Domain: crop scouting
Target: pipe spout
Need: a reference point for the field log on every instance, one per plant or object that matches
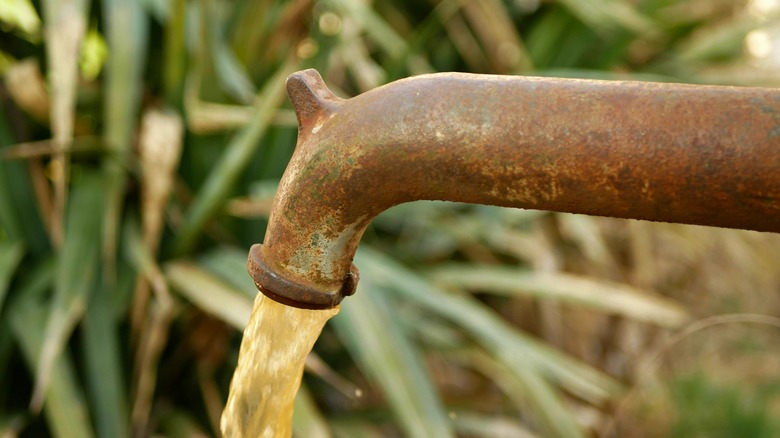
(662, 152)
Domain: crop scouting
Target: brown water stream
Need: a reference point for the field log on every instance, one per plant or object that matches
(276, 341)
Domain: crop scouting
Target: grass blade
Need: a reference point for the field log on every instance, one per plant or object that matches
(229, 264)
(505, 342)
(374, 25)
(232, 76)
(716, 41)
(10, 225)
(209, 293)
(380, 347)
(220, 182)
(76, 275)
(103, 370)
(352, 427)
(65, 408)
(10, 256)
(19, 219)
(599, 295)
(179, 424)
(498, 35)
(495, 426)
(127, 25)
(39, 280)
(175, 53)
(529, 391)
(127, 28)
(608, 15)
(535, 398)
(307, 419)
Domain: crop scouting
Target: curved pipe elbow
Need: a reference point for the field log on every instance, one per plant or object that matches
(664, 152)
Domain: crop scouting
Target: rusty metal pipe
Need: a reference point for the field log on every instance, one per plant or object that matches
(662, 152)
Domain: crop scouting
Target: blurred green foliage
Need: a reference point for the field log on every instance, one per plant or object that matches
(140, 146)
(716, 410)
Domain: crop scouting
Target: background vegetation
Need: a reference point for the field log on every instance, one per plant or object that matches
(140, 145)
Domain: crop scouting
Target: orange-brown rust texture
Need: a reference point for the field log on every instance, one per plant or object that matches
(663, 152)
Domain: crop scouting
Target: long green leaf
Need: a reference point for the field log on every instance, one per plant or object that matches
(308, 421)
(492, 425)
(175, 53)
(530, 391)
(101, 344)
(180, 424)
(375, 25)
(508, 344)
(233, 161)
(19, 218)
(229, 264)
(126, 35)
(611, 298)
(209, 293)
(10, 223)
(232, 75)
(39, 279)
(609, 14)
(65, 408)
(127, 26)
(76, 274)
(10, 256)
(377, 342)
(356, 427)
(720, 40)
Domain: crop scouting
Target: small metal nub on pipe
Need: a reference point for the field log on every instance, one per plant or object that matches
(690, 154)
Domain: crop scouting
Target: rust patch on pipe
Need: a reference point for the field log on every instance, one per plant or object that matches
(291, 293)
(663, 152)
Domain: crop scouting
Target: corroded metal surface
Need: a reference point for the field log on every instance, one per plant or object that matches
(663, 152)
(285, 291)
